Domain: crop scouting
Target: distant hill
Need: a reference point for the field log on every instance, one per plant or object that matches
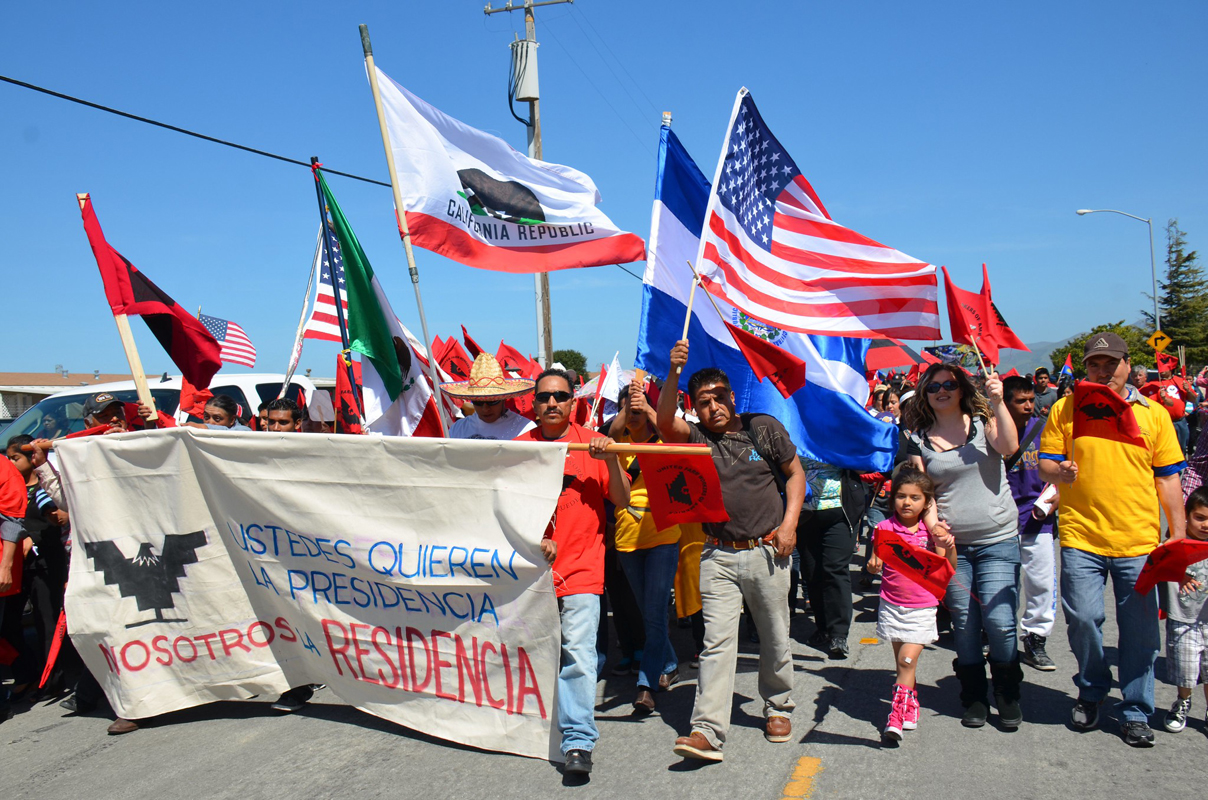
(1026, 362)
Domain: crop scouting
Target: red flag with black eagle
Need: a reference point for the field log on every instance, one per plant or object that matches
(682, 488)
(348, 419)
(453, 359)
(1169, 562)
(929, 570)
(969, 319)
(1101, 413)
(192, 348)
(513, 360)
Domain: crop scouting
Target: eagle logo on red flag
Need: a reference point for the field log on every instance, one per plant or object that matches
(929, 570)
(682, 488)
(1101, 413)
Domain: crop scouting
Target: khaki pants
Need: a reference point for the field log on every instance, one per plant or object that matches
(726, 578)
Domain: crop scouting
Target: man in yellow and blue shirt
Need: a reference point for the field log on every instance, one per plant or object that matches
(1108, 523)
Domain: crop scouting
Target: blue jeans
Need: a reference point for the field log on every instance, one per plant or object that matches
(991, 573)
(1083, 583)
(651, 574)
(577, 674)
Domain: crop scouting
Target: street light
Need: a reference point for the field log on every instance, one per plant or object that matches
(1153, 270)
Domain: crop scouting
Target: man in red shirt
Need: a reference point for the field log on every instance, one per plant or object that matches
(574, 544)
(1173, 393)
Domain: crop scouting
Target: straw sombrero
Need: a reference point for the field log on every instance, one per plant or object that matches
(487, 380)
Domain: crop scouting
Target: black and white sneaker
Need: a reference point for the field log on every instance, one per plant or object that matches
(1085, 715)
(1137, 734)
(838, 648)
(1176, 718)
(1034, 654)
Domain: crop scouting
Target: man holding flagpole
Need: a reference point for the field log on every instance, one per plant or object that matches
(1114, 478)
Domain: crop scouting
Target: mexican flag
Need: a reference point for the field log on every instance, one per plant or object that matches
(470, 196)
(398, 398)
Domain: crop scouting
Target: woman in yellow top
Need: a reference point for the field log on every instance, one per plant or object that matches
(649, 556)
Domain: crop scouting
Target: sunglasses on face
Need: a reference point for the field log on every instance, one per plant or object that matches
(947, 386)
(557, 397)
(480, 403)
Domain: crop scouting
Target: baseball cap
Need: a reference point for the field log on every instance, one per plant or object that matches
(1104, 344)
(98, 403)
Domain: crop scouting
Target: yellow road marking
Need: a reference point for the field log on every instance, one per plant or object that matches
(801, 784)
(870, 640)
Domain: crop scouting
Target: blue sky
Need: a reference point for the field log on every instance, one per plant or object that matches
(956, 132)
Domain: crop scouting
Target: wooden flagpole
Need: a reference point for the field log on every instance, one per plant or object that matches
(666, 449)
(127, 336)
(401, 216)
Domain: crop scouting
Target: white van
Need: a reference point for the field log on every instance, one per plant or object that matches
(63, 413)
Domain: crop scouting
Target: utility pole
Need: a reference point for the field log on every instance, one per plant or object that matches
(524, 66)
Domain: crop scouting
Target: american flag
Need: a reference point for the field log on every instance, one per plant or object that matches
(237, 348)
(323, 323)
(771, 249)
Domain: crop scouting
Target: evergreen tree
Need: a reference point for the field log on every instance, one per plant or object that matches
(1183, 298)
(1140, 353)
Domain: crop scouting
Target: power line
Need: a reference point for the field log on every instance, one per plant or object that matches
(185, 131)
(194, 134)
(616, 58)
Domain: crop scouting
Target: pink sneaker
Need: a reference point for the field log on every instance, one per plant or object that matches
(897, 713)
(911, 720)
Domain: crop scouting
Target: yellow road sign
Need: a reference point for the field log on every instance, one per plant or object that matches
(1159, 341)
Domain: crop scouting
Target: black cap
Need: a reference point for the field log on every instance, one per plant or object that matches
(1104, 344)
(98, 403)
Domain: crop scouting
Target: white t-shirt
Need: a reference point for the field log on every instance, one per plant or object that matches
(507, 427)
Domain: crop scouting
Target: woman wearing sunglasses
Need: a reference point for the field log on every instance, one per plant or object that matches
(960, 438)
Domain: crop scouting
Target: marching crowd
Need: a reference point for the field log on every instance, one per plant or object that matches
(988, 479)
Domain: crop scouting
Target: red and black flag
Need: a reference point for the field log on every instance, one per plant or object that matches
(348, 397)
(682, 488)
(929, 570)
(453, 359)
(1101, 413)
(192, 348)
(471, 345)
(1169, 562)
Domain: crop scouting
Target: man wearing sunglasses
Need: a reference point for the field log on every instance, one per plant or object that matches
(490, 420)
(745, 558)
(574, 544)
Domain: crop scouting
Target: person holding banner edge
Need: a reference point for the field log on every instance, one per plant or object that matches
(746, 558)
(574, 545)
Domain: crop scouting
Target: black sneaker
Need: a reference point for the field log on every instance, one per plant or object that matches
(1176, 718)
(578, 762)
(1085, 715)
(1137, 734)
(1034, 654)
(838, 649)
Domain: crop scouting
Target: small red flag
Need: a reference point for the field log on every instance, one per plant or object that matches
(929, 570)
(56, 644)
(1169, 562)
(1014, 373)
(997, 327)
(193, 400)
(513, 360)
(782, 368)
(1166, 362)
(192, 348)
(471, 345)
(453, 360)
(348, 419)
(682, 488)
(912, 377)
(1101, 413)
(968, 319)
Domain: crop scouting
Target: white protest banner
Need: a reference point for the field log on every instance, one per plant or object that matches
(406, 574)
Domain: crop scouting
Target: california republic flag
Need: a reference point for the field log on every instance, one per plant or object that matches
(471, 197)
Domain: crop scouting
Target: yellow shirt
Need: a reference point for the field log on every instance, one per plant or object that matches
(1112, 508)
(635, 525)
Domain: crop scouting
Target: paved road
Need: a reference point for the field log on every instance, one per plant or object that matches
(245, 751)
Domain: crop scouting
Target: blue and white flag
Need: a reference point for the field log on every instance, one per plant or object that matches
(826, 419)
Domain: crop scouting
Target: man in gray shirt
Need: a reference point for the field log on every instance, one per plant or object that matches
(1046, 395)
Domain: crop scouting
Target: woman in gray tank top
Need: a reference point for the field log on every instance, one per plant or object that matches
(959, 440)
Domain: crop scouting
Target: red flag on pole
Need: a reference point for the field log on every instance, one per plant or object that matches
(1101, 413)
(453, 360)
(193, 400)
(471, 345)
(348, 419)
(513, 360)
(56, 644)
(997, 327)
(192, 348)
(1169, 562)
(785, 370)
(967, 319)
(929, 570)
(682, 488)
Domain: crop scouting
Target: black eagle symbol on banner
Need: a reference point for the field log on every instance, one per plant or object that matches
(149, 578)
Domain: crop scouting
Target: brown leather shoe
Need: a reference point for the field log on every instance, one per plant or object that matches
(121, 725)
(697, 746)
(644, 704)
(668, 679)
(778, 729)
